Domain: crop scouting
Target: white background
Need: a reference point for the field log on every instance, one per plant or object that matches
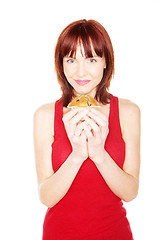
(29, 30)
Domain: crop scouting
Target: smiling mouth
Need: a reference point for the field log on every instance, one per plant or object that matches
(82, 82)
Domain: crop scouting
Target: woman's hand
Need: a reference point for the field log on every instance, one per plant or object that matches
(75, 131)
(96, 130)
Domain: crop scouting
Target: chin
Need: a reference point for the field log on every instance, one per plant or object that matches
(85, 92)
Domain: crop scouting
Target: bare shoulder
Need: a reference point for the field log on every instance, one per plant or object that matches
(129, 113)
(44, 110)
(44, 115)
(128, 108)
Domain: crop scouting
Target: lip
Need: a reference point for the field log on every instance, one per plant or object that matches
(82, 82)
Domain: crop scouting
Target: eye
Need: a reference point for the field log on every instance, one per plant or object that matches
(92, 60)
(70, 60)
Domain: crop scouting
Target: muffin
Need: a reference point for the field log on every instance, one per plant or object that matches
(82, 101)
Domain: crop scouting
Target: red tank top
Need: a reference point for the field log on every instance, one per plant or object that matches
(89, 210)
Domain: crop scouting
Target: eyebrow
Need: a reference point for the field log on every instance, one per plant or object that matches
(74, 57)
(69, 57)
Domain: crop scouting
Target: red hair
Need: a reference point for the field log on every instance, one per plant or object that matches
(89, 33)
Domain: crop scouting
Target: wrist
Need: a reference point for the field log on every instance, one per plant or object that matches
(99, 158)
(76, 159)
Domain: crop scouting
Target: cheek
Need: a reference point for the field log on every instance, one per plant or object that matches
(98, 73)
(69, 72)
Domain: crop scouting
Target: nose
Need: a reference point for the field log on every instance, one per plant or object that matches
(81, 69)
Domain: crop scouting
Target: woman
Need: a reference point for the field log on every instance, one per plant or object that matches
(86, 167)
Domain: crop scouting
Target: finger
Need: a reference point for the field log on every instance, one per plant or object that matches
(98, 113)
(88, 125)
(68, 116)
(100, 121)
(87, 130)
(78, 130)
(93, 125)
(83, 136)
(79, 116)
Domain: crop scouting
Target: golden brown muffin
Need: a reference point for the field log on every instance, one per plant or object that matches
(82, 101)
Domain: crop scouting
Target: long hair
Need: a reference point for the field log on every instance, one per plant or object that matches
(89, 33)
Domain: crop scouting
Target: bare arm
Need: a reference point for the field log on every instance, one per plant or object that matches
(53, 186)
(123, 182)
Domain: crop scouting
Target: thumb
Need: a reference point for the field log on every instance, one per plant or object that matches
(83, 136)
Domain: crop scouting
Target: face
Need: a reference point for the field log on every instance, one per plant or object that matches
(83, 73)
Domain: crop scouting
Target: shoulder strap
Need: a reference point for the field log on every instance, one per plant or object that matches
(58, 114)
(115, 126)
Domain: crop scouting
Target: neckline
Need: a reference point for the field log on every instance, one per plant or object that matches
(109, 116)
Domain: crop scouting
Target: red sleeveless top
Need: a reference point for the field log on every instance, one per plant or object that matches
(89, 210)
